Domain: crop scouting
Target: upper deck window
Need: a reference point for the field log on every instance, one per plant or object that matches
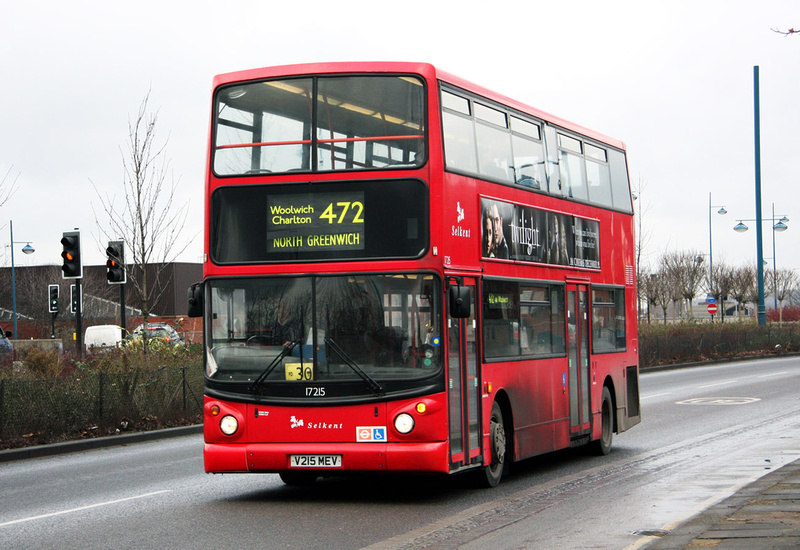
(331, 123)
(502, 145)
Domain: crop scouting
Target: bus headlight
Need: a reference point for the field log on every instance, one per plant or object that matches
(404, 423)
(228, 424)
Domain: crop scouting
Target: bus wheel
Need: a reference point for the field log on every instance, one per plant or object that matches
(497, 442)
(602, 446)
(298, 479)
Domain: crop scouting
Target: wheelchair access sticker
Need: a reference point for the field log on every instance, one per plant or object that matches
(370, 434)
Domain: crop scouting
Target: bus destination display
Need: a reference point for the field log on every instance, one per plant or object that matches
(315, 222)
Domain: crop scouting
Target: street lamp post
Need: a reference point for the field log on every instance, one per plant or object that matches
(27, 249)
(721, 212)
(762, 310)
(779, 225)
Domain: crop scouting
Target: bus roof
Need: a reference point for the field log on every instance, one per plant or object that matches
(427, 70)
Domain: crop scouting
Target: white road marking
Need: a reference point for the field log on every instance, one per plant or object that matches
(773, 374)
(654, 395)
(80, 508)
(719, 384)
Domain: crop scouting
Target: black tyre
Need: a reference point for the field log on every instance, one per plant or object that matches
(493, 472)
(602, 446)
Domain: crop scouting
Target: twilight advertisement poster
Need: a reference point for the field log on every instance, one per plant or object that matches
(526, 234)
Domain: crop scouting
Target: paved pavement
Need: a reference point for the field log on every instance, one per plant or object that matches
(764, 514)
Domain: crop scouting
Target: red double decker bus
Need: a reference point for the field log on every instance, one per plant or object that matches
(405, 272)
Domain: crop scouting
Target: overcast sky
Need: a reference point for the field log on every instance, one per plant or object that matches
(673, 80)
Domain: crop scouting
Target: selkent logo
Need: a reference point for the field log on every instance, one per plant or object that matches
(370, 434)
(457, 230)
(295, 422)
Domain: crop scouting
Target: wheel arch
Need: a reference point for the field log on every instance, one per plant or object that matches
(502, 399)
(609, 383)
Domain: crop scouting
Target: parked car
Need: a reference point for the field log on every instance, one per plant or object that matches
(103, 337)
(162, 332)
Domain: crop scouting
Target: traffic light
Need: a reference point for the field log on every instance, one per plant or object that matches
(71, 267)
(75, 297)
(115, 264)
(52, 304)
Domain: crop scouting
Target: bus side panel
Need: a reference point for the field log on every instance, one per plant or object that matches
(534, 440)
(624, 389)
(538, 402)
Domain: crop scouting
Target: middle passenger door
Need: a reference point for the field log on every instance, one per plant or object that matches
(462, 376)
(578, 358)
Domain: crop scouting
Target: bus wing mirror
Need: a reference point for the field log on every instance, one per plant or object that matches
(195, 296)
(460, 302)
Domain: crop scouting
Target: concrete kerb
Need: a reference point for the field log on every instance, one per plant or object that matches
(38, 451)
(719, 360)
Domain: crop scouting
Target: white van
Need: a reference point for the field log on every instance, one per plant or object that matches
(100, 337)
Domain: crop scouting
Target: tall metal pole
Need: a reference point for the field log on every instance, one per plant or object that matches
(762, 310)
(78, 321)
(13, 280)
(710, 250)
(122, 309)
(774, 264)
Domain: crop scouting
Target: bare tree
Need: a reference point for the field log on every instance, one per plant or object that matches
(786, 33)
(8, 185)
(32, 296)
(686, 273)
(148, 220)
(660, 291)
(642, 238)
(743, 287)
(642, 279)
(794, 297)
(785, 283)
(724, 282)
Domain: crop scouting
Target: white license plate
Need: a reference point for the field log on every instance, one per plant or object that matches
(315, 461)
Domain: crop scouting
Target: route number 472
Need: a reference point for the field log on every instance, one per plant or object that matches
(337, 214)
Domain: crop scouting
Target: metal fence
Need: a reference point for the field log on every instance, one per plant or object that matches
(61, 407)
(732, 341)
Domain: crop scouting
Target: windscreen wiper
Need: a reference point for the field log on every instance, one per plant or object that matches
(373, 386)
(287, 349)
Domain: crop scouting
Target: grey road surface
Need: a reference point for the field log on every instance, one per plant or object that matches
(706, 432)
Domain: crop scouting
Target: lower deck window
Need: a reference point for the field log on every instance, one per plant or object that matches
(522, 319)
(608, 319)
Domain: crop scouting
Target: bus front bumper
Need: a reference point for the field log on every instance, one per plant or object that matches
(429, 457)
